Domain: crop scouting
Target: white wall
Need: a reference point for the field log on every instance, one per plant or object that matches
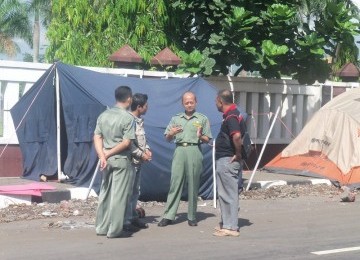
(260, 98)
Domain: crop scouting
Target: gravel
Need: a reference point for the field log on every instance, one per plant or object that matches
(84, 210)
(290, 191)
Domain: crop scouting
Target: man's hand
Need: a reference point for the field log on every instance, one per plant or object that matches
(146, 156)
(176, 129)
(237, 144)
(199, 131)
(98, 143)
(103, 161)
(148, 152)
(106, 154)
(236, 157)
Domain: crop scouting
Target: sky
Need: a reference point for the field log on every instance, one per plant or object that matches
(356, 2)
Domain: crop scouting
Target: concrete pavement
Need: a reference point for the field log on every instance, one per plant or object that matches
(265, 179)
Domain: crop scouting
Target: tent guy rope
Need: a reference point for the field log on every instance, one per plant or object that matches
(263, 148)
(27, 111)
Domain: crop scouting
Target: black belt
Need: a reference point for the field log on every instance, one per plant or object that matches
(187, 144)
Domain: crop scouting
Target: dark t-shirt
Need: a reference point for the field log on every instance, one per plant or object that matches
(224, 146)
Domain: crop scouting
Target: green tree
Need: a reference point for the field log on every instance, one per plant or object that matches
(86, 32)
(263, 36)
(271, 37)
(331, 18)
(338, 29)
(13, 23)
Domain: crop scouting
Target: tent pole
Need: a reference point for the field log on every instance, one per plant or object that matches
(58, 141)
(231, 87)
(263, 148)
(214, 173)
(92, 179)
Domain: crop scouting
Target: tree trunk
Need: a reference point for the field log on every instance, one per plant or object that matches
(335, 58)
(36, 37)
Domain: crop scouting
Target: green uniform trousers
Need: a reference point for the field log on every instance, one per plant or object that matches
(186, 167)
(114, 195)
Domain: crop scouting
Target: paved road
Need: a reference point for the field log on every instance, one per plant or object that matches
(270, 229)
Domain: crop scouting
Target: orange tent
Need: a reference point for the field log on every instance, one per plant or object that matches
(329, 144)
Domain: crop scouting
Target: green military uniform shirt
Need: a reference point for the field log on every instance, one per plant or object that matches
(189, 126)
(115, 125)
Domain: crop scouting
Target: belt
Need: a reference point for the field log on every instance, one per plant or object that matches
(186, 144)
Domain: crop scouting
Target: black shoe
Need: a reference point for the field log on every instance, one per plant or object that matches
(122, 235)
(139, 224)
(164, 222)
(192, 223)
(130, 228)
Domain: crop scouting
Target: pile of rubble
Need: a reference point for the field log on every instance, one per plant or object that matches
(87, 208)
(290, 191)
(64, 209)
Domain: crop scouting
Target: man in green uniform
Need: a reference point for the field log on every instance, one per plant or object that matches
(189, 129)
(113, 135)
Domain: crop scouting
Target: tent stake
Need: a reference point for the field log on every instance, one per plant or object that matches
(263, 148)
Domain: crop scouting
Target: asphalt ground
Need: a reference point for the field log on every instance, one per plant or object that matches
(288, 228)
(305, 227)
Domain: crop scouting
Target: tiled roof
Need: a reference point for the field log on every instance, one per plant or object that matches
(348, 70)
(165, 57)
(126, 54)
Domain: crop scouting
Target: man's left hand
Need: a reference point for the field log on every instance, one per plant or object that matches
(236, 157)
(146, 156)
(199, 132)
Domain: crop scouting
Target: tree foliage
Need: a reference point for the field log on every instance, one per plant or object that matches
(264, 36)
(86, 32)
(272, 37)
(338, 30)
(13, 23)
(40, 12)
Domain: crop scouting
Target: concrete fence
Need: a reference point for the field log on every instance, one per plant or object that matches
(260, 98)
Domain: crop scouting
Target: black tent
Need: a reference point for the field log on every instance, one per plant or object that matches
(82, 95)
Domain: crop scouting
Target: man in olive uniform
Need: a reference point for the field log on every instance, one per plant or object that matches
(113, 135)
(189, 129)
(140, 151)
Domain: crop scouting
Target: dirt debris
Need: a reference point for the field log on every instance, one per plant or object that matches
(85, 209)
(291, 191)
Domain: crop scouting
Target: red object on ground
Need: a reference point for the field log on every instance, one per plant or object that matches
(33, 189)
